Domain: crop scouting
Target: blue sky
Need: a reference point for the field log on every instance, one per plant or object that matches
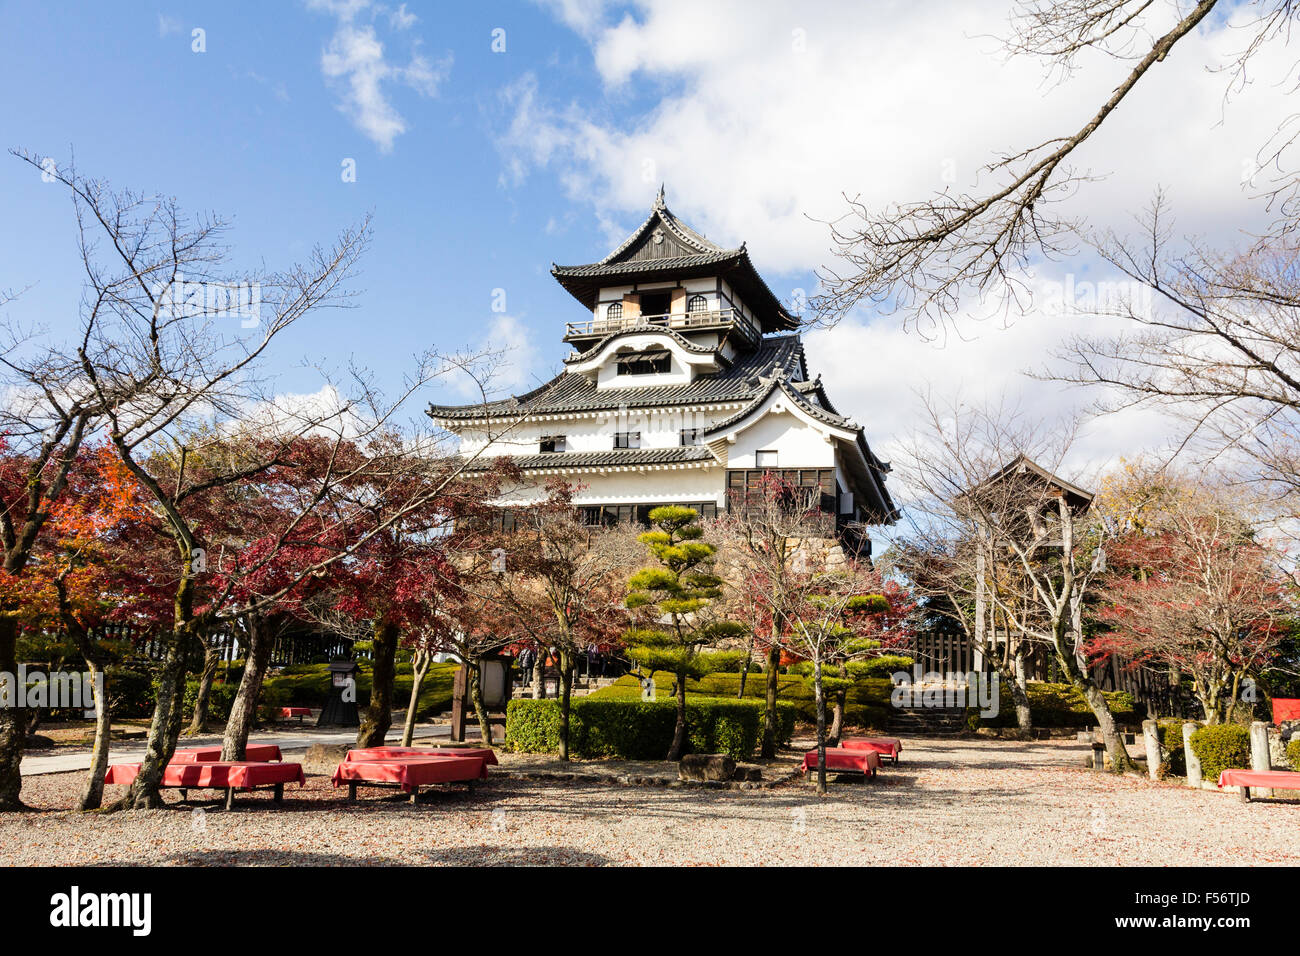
(252, 129)
(481, 168)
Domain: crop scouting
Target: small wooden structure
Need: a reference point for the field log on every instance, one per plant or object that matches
(495, 682)
(340, 709)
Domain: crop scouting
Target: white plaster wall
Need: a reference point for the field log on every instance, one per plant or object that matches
(797, 444)
(659, 428)
(650, 487)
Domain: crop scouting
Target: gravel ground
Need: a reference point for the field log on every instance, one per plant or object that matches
(949, 802)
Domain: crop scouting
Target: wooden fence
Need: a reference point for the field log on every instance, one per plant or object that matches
(946, 652)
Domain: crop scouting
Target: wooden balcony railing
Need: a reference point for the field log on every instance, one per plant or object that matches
(675, 321)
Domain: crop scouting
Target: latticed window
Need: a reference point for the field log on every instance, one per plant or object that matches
(697, 303)
(614, 311)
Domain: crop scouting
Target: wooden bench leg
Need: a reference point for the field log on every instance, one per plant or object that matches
(279, 793)
(352, 792)
(1244, 794)
(185, 794)
(415, 794)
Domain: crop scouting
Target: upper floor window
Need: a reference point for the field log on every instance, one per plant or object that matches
(551, 444)
(644, 363)
(627, 439)
(691, 436)
(765, 459)
(614, 311)
(697, 303)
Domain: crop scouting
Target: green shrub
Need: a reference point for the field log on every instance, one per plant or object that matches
(1293, 753)
(308, 685)
(131, 693)
(641, 729)
(1221, 747)
(221, 697)
(880, 666)
(1171, 740)
(866, 702)
(1060, 705)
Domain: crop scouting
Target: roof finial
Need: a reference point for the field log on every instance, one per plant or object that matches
(659, 200)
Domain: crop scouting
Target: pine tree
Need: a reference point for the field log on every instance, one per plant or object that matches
(678, 599)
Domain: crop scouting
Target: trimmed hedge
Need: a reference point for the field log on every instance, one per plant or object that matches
(1060, 705)
(641, 729)
(1293, 753)
(1221, 747)
(867, 703)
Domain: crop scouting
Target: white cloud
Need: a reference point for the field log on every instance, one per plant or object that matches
(516, 364)
(762, 115)
(354, 62)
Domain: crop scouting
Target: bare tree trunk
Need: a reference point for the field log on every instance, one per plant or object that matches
(243, 711)
(821, 725)
(566, 695)
(379, 715)
(744, 666)
(679, 732)
(93, 794)
(476, 698)
(164, 730)
(837, 712)
(419, 667)
(769, 711)
(13, 720)
(199, 719)
(539, 676)
(1020, 694)
(1085, 685)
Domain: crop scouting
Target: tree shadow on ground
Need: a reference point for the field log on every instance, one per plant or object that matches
(516, 856)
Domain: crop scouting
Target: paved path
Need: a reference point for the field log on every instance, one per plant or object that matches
(133, 752)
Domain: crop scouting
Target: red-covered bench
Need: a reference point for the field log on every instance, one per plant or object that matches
(407, 774)
(217, 776)
(253, 753)
(386, 753)
(889, 747)
(1268, 779)
(838, 760)
(299, 712)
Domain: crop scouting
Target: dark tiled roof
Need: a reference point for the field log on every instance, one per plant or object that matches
(577, 393)
(562, 461)
(821, 414)
(729, 257)
(664, 247)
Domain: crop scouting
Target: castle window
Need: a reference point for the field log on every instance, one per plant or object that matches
(644, 363)
(697, 303)
(627, 439)
(551, 444)
(614, 311)
(691, 436)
